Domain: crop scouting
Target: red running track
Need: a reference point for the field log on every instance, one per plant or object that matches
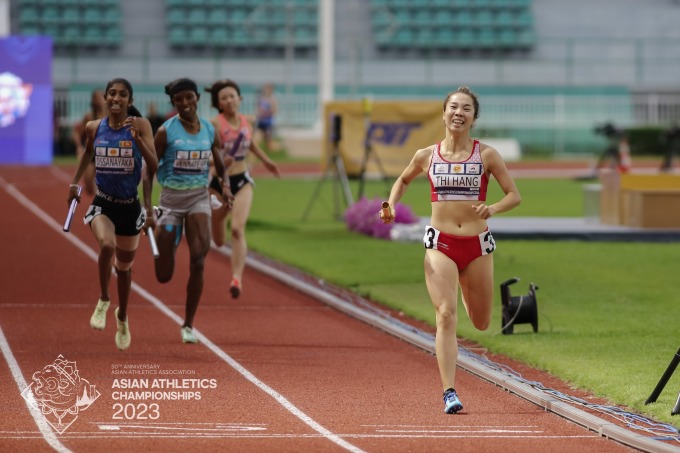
(283, 372)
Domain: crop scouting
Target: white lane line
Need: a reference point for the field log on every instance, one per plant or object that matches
(21, 198)
(115, 435)
(43, 426)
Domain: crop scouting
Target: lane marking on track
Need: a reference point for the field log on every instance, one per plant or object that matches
(43, 426)
(192, 435)
(283, 401)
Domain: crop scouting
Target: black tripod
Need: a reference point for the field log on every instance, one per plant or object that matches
(369, 152)
(337, 167)
(664, 380)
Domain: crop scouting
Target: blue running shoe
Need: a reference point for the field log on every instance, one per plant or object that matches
(451, 402)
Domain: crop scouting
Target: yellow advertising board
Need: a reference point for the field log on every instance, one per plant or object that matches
(395, 130)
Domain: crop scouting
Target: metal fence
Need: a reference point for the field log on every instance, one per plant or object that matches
(554, 124)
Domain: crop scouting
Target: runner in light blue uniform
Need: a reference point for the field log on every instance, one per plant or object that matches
(184, 145)
(186, 162)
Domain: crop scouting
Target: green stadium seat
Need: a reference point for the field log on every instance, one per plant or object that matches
(381, 18)
(50, 15)
(239, 38)
(198, 36)
(304, 36)
(483, 18)
(70, 15)
(238, 15)
(444, 38)
(177, 36)
(111, 16)
(91, 3)
(113, 36)
(422, 18)
(174, 3)
(175, 17)
(92, 16)
(51, 30)
(93, 36)
(198, 17)
(28, 15)
(280, 36)
(404, 37)
(70, 36)
(486, 39)
(219, 37)
(443, 17)
(464, 39)
(30, 30)
(261, 37)
(402, 16)
(506, 38)
(524, 18)
(218, 17)
(424, 38)
(505, 18)
(463, 18)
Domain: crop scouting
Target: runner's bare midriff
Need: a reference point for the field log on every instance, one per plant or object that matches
(457, 217)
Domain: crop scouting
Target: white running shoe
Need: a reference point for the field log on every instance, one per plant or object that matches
(188, 335)
(98, 318)
(123, 337)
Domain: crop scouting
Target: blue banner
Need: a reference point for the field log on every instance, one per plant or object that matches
(26, 100)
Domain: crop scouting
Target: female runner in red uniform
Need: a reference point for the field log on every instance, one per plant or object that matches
(458, 243)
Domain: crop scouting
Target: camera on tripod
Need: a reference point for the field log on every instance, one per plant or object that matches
(610, 131)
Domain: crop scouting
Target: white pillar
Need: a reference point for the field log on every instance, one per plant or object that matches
(4, 18)
(326, 53)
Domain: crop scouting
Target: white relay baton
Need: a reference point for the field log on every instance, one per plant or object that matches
(152, 242)
(71, 211)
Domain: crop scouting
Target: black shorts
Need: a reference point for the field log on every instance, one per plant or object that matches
(127, 216)
(236, 182)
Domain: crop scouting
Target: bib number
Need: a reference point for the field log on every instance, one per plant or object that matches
(487, 243)
(431, 237)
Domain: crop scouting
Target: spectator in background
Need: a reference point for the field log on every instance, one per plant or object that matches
(155, 118)
(267, 108)
(97, 111)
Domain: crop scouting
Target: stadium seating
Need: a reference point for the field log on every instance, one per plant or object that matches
(72, 23)
(456, 25)
(241, 23)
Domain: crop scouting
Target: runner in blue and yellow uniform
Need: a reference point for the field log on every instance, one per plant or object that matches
(118, 142)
